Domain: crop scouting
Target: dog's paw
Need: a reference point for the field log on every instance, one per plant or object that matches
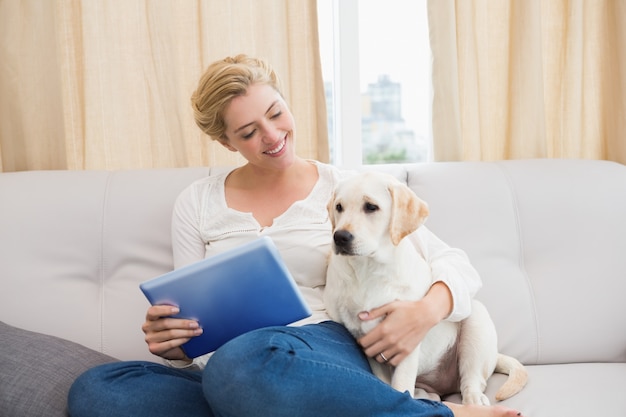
(422, 394)
(475, 398)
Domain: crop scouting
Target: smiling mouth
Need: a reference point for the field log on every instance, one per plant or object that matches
(278, 148)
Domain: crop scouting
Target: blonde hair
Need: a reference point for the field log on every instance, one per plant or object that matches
(221, 82)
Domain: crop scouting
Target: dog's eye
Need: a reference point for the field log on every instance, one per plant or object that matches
(370, 208)
(339, 207)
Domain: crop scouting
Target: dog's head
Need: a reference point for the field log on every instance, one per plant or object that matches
(372, 209)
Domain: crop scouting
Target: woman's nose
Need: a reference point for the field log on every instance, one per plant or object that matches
(269, 133)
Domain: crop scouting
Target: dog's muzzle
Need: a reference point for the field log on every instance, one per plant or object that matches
(343, 242)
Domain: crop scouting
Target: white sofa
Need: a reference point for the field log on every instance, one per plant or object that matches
(547, 236)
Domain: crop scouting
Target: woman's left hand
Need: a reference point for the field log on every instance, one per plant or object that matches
(404, 324)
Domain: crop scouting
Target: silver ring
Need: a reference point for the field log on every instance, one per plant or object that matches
(383, 356)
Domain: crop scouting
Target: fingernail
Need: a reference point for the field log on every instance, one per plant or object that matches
(175, 310)
(363, 315)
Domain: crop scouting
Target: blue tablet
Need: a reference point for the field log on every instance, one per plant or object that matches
(242, 289)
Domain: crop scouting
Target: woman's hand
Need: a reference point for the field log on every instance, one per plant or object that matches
(165, 335)
(404, 324)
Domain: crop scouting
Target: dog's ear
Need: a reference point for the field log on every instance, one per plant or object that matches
(331, 210)
(408, 212)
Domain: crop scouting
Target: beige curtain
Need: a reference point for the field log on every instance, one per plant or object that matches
(94, 84)
(529, 79)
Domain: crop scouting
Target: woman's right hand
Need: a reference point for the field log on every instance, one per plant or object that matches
(165, 335)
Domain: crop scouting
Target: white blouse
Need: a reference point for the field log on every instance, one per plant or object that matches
(203, 225)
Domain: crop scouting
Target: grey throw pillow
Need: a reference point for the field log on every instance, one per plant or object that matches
(37, 370)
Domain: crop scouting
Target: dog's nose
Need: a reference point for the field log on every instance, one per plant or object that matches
(343, 238)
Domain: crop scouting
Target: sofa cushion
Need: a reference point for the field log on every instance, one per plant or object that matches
(547, 237)
(39, 370)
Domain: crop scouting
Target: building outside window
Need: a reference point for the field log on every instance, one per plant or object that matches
(376, 64)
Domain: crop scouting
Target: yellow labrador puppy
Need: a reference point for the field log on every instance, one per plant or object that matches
(372, 264)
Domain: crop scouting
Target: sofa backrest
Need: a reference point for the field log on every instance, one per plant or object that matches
(75, 245)
(549, 240)
(547, 236)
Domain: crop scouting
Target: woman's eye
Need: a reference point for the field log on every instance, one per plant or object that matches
(276, 115)
(249, 135)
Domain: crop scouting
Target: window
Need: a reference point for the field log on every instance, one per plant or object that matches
(376, 65)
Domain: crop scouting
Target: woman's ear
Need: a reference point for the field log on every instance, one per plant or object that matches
(227, 145)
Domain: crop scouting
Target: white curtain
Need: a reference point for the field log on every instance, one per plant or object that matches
(529, 79)
(90, 84)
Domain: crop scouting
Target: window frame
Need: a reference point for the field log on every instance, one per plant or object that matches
(346, 85)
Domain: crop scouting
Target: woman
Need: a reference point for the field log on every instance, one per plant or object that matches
(314, 368)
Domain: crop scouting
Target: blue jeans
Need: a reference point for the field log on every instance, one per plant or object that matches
(314, 370)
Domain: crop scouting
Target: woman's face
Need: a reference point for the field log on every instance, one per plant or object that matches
(260, 127)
